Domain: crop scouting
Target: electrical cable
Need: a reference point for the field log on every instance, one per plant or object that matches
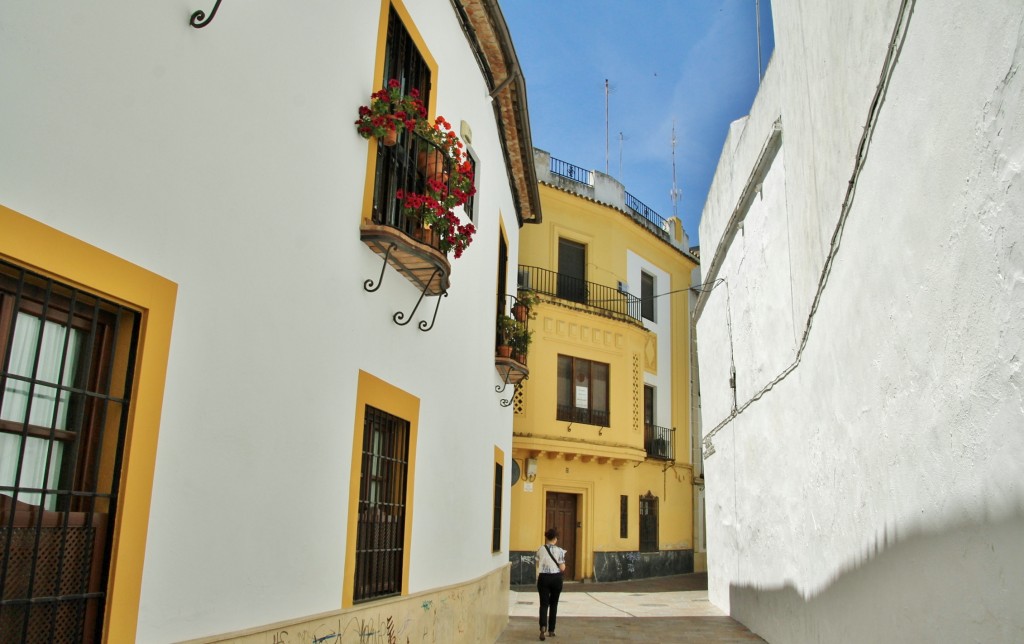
(695, 289)
(896, 42)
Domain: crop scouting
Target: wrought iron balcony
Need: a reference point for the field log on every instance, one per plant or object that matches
(405, 245)
(602, 299)
(403, 168)
(511, 344)
(658, 442)
(580, 415)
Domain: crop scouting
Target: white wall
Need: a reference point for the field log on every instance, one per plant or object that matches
(662, 327)
(876, 491)
(226, 160)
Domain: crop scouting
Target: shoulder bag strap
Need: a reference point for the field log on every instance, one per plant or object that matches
(546, 547)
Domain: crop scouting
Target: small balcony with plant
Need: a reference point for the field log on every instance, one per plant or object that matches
(513, 337)
(422, 176)
(658, 442)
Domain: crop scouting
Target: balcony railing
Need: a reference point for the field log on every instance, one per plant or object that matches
(573, 172)
(403, 243)
(658, 442)
(403, 167)
(513, 334)
(580, 415)
(605, 299)
(511, 344)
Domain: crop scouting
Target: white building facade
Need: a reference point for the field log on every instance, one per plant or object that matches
(280, 457)
(860, 342)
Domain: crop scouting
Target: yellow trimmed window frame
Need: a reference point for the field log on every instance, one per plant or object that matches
(50, 252)
(373, 392)
(378, 75)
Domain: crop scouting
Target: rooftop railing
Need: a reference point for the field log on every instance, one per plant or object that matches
(646, 212)
(573, 172)
(643, 213)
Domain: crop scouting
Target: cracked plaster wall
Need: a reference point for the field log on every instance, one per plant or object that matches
(902, 425)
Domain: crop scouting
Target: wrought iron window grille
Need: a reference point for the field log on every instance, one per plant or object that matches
(380, 532)
(649, 523)
(66, 381)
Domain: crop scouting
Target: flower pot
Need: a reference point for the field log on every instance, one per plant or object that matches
(390, 137)
(426, 235)
(431, 164)
(520, 312)
(503, 351)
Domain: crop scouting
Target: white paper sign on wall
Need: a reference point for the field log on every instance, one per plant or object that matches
(582, 397)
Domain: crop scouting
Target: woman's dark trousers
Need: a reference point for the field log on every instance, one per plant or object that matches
(549, 585)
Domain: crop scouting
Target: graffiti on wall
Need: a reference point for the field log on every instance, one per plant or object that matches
(453, 615)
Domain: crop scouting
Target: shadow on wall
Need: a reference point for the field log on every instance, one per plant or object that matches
(965, 584)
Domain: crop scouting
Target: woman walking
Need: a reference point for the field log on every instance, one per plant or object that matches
(550, 565)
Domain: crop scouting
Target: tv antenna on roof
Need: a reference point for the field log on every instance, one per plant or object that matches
(621, 139)
(675, 193)
(608, 89)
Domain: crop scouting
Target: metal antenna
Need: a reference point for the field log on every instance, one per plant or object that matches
(675, 191)
(621, 139)
(757, 19)
(606, 92)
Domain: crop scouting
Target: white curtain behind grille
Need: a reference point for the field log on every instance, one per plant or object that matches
(45, 408)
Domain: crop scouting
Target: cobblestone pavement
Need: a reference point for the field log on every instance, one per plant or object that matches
(663, 609)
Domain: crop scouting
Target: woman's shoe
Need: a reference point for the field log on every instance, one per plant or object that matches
(542, 630)
(551, 634)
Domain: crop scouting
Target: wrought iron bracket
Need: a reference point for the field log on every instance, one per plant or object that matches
(423, 323)
(508, 401)
(199, 18)
(368, 284)
(423, 326)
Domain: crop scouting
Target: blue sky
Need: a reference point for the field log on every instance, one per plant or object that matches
(691, 60)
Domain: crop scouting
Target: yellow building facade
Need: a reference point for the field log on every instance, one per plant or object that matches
(601, 424)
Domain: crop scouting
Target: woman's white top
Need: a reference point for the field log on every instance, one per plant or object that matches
(544, 562)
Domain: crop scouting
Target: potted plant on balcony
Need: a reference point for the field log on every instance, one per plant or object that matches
(434, 210)
(506, 329)
(520, 341)
(389, 112)
(442, 150)
(522, 310)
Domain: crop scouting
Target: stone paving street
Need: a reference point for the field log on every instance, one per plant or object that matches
(664, 609)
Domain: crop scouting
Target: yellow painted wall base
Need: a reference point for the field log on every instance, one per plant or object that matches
(700, 562)
(466, 613)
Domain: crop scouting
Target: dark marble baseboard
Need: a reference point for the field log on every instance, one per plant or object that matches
(612, 566)
(621, 566)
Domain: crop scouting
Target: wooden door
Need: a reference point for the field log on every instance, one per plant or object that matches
(561, 515)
